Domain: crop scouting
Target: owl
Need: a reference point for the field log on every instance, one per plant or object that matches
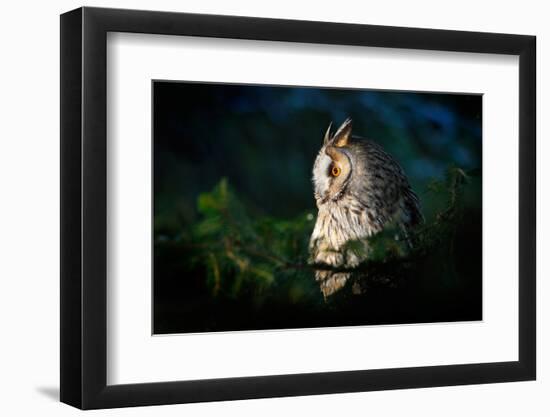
(359, 189)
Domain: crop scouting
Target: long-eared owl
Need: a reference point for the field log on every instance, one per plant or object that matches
(359, 189)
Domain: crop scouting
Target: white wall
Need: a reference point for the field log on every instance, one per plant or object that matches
(29, 238)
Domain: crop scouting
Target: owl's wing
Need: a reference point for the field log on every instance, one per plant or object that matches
(412, 208)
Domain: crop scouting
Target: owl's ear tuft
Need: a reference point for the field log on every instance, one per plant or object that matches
(343, 134)
(327, 134)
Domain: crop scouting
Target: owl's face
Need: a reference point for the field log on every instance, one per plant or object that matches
(333, 167)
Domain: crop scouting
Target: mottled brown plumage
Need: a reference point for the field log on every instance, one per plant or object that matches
(359, 189)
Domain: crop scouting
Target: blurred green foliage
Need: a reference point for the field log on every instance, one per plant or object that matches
(236, 249)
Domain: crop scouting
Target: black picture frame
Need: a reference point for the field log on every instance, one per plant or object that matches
(84, 207)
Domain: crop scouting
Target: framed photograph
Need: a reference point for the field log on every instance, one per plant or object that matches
(256, 208)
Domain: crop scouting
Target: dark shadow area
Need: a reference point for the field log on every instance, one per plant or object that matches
(50, 392)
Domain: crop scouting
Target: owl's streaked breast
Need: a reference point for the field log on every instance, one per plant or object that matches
(338, 223)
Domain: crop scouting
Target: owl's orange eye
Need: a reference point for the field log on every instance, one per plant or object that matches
(335, 171)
